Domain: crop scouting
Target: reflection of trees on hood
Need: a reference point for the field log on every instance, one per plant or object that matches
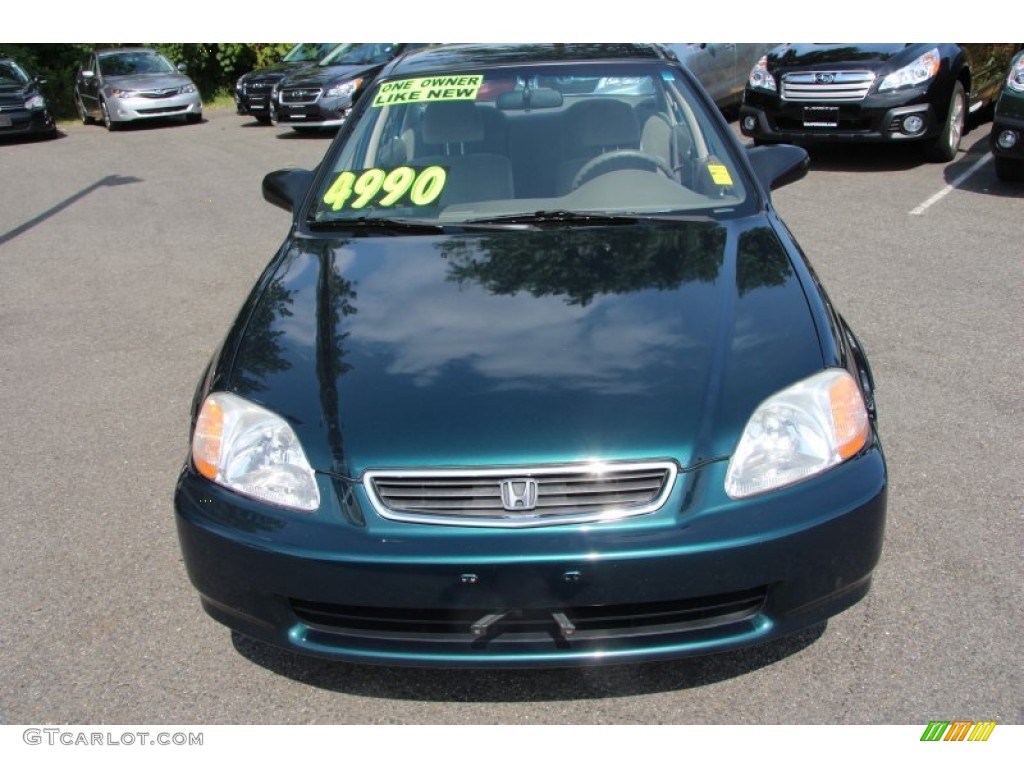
(261, 355)
(827, 56)
(760, 260)
(581, 264)
(335, 295)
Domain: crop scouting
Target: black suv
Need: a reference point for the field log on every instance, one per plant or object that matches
(919, 92)
(252, 91)
(321, 95)
(23, 109)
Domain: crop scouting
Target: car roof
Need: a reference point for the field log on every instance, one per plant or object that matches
(446, 57)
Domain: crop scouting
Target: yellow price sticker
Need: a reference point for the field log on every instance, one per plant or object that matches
(423, 89)
(385, 188)
(720, 175)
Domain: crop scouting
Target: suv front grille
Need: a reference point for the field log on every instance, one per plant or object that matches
(300, 95)
(522, 497)
(826, 86)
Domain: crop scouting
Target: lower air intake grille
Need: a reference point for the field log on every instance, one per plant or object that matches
(591, 622)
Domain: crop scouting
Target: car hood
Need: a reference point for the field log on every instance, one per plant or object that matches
(817, 55)
(315, 75)
(513, 347)
(148, 81)
(275, 71)
(24, 89)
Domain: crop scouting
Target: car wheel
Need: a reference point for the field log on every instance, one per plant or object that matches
(110, 125)
(945, 146)
(80, 106)
(263, 119)
(1009, 170)
(194, 117)
(305, 129)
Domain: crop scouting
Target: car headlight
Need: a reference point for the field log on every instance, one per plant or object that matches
(119, 93)
(799, 432)
(920, 70)
(190, 88)
(36, 102)
(1016, 79)
(253, 451)
(760, 77)
(346, 88)
(239, 83)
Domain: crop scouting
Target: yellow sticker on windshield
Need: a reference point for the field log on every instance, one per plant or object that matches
(720, 175)
(403, 185)
(423, 89)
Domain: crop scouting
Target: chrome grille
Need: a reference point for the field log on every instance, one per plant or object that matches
(300, 95)
(573, 493)
(826, 86)
(258, 87)
(159, 94)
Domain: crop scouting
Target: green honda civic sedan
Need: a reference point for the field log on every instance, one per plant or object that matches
(537, 378)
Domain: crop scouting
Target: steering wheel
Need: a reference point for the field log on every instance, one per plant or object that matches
(591, 168)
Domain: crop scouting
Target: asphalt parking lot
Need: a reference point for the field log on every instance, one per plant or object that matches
(124, 257)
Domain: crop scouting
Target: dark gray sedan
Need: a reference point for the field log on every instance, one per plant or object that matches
(119, 86)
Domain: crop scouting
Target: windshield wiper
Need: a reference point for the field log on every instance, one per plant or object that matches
(379, 225)
(540, 217)
(582, 217)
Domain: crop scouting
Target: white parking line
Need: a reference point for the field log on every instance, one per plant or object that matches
(951, 186)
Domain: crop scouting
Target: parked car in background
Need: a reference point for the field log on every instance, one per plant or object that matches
(123, 85)
(537, 378)
(902, 92)
(1007, 136)
(321, 95)
(252, 90)
(722, 68)
(23, 108)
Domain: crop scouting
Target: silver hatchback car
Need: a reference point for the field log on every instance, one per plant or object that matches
(121, 85)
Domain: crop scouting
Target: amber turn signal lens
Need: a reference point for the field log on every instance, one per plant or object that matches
(206, 441)
(849, 416)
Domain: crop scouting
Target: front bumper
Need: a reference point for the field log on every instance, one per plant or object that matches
(695, 577)
(1000, 124)
(324, 113)
(875, 119)
(254, 98)
(26, 122)
(124, 110)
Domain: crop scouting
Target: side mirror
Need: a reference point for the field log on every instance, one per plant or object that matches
(287, 187)
(39, 80)
(182, 67)
(779, 165)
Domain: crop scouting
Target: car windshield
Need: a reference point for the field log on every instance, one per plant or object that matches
(471, 145)
(309, 51)
(134, 63)
(12, 74)
(360, 53)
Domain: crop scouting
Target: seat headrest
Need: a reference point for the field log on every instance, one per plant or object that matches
(605, 122)
(452, 122)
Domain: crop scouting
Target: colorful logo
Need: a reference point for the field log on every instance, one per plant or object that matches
(958, 730)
